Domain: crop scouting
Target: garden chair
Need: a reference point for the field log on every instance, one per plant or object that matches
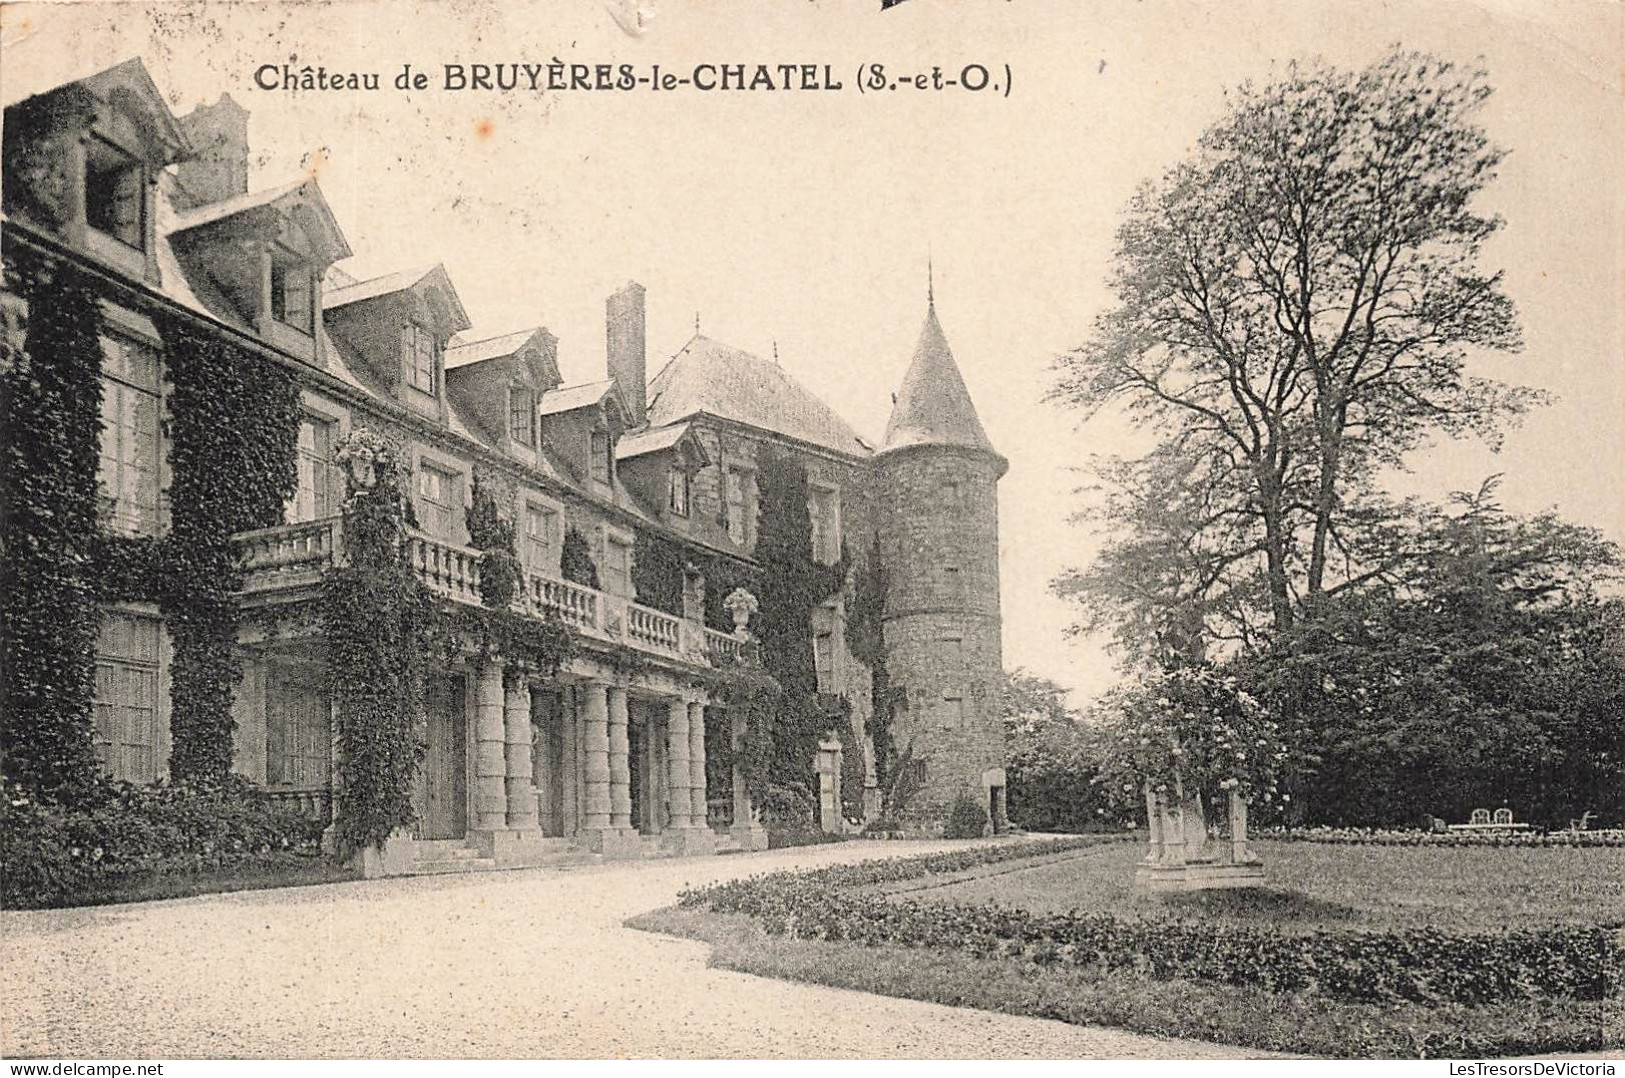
(1583, 823)
(1503, 816)
(1480, 816)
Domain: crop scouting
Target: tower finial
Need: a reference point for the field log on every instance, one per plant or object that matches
(696, 323)
(775, 350)
(930, 282)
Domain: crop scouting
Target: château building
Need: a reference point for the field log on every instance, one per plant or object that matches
(609, 753)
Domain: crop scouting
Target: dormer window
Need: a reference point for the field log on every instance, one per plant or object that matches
(114, 199)
(522, 415)
(417, 356)
(678, 490)
(292, 293)
(600, 451)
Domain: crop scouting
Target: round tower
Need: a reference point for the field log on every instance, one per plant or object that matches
(939, 536)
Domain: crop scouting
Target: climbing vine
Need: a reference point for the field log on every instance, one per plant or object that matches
(575, 559)
(234, 426)
(791, 585)
(657, 571)
(50, 398)
(378, 621)
(545, 643)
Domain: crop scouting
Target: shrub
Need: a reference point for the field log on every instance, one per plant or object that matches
(116, 833)
(1419, 965)
(967, 819)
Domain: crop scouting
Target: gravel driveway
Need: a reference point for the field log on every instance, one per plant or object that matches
(514, 964)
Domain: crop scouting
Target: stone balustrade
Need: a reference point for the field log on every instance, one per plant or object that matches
(296, 555)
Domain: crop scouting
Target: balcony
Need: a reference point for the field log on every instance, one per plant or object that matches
(288, 562)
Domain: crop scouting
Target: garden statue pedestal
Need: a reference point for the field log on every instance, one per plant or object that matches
(1182, 858)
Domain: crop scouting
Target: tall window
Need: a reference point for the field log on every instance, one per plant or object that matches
(741, 492)
(114, 201)
(292, 292)
(617, 578)
(600, 450)
(127, 741)
(127, 471)
(440, 501)
(522, 415)
(824, 661)
(417, 356)
(298, 732)
(541, 551)
(825, 509)
(677, 484)
(320, 483)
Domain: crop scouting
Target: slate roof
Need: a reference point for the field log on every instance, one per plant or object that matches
(569, 398)
(720, 380)
(459, 354)
(933, 407)
(650, 441)
(307, 189)
(396, 282)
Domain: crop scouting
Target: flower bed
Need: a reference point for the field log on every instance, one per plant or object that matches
(1363, 836)
(1424, 965)
(117, 834)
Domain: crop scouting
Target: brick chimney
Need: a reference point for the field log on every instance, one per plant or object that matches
(628, 358)
(219, 136)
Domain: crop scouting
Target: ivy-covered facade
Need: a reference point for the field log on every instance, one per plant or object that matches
(272, 520)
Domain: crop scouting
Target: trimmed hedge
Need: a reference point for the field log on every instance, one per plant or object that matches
(117, 833)
(1424, 965)
(1363, 836)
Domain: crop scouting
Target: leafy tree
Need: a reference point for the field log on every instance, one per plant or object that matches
(1295, 306)
(1490, 674)
(1053, 755)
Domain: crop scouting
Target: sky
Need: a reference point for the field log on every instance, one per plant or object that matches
(806, 219)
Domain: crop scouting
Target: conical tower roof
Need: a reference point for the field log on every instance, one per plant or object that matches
(933, 407)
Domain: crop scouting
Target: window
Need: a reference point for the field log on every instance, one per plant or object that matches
(440, 501)
(541, 538)
(127, 472)
(292, 291)
(127, 741)
(953, 708)
(617, 567)
(417, 357)
(825, 511)
(522, 415)
(600, 450)
(115, 203)
(298, 731)
(824, 661)
(677, 490)
(741, 490)
(320, 483)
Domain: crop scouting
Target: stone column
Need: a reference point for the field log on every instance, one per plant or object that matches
(1153, 825)
(521, 791)
(594, 719)
(678, 797)
(696, 763)
(1239, 853)
(620, 772)
(490, 750)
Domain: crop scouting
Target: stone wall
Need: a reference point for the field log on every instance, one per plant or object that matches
(939, 538)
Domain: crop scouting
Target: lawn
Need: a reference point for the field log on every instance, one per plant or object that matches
(1315, 885)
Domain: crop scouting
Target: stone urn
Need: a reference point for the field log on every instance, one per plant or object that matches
(741, 605)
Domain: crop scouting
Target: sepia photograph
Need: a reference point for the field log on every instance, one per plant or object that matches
(909, 530)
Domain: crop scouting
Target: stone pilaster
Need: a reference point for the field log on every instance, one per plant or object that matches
(594, 719)
(620, 772)
(570, 765)
(696, 762)
(521, 791)
(490, 750)
(677, 795)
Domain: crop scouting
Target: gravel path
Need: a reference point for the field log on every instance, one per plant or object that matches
(514, 964)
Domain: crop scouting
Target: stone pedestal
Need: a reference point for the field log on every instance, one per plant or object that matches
(747, 830)
(1182, 859)
(395, 859)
